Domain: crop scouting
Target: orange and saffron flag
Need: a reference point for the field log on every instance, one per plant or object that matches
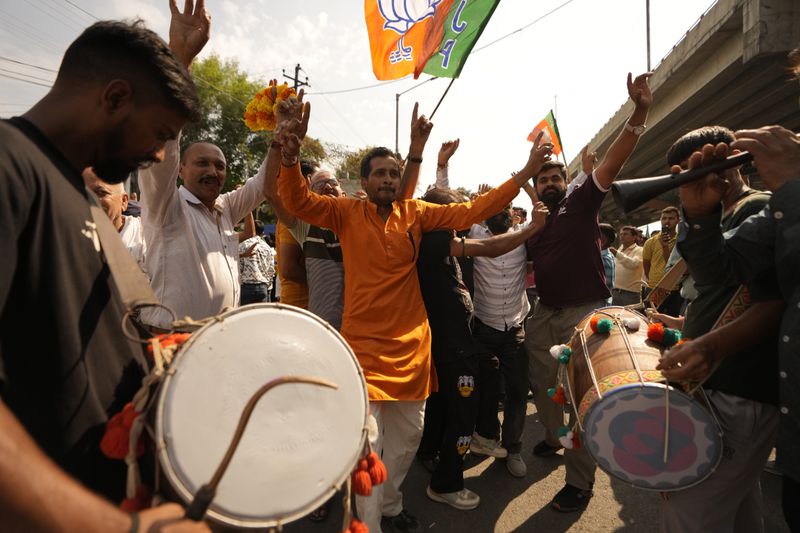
(434, 36)
(550, 127)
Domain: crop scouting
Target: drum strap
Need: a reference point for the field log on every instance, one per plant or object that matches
(668, 283)
(132, 285)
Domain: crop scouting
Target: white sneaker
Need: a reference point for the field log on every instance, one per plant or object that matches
(464, 499)
(516, 466)
(482, 446)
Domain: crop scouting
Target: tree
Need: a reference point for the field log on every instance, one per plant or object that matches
(350, 167)
(224, 91)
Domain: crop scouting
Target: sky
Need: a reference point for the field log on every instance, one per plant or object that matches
(571, 56)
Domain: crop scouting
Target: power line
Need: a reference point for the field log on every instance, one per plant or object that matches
(76, 6)
(52, 16)
(26, 75)
(65, 12)
(379, 84)
(27, 64)
(26, 81)
(382, 83)
(523, 27)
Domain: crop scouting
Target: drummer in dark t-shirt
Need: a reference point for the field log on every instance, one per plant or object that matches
(571, 283)
(65, 366)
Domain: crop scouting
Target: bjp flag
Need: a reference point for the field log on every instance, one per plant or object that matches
(431, 36)
(550, 128)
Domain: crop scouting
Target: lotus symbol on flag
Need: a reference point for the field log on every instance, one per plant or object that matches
(400, 15)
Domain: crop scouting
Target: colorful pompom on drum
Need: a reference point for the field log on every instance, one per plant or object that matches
(667, 336)
(600, 325)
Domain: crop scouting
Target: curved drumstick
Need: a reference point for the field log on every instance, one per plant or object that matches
(205, 494)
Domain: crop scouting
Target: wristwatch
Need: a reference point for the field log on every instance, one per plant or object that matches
(636, 130)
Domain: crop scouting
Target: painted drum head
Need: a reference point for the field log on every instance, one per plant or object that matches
(302, 441)
(627, 430)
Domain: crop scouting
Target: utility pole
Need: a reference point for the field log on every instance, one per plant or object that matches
(296, 79)
(647, 15)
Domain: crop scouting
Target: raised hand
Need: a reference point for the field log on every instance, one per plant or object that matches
(539, 214)
(420, 131)
(588, 160)
(704, 195)
(291, 132)
(639, 90)
(287, 110)
(188, 31)
(776, 153)
(539, 155)
(483, 188)
(446, 151)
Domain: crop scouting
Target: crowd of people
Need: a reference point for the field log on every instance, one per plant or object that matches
(450, 304)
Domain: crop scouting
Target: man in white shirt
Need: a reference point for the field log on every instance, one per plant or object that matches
(501, 305)
(193, 250)
(628, 269)
(114, 201)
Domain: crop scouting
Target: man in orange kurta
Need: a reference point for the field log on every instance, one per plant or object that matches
(384, 317)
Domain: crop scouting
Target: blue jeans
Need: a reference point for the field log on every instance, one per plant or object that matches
(253, 293)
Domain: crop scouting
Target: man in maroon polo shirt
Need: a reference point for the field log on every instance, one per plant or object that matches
(571, 283)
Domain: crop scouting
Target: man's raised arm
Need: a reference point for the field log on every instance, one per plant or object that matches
(420, 131)
(188, 34)
(460, 216)
(623, 145)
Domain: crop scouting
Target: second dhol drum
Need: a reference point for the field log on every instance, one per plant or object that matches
(638, 428)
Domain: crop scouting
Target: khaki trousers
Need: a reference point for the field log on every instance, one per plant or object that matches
(546, 327)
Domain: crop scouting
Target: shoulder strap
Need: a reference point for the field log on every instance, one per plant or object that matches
(132, 284)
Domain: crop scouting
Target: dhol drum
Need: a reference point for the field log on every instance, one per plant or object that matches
(301, 442)
(637, 427)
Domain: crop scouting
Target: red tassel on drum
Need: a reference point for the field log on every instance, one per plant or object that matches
(655, 332)
(377, 470)
(356, 526)
(141, 501)
(576, 440)
(559, 397)
(362, 483)
(114, 444)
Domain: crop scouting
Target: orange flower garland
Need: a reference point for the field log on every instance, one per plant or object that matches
(259, 115)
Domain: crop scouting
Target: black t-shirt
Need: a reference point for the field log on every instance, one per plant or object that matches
(65, 366)
(752, 373)
(446, 298)
(566, 253)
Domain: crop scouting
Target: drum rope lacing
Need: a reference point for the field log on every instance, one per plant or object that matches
(585, 349)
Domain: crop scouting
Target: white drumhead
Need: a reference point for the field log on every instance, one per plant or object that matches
(302, 441)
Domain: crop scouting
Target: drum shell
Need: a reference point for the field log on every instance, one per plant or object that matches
(609, 355)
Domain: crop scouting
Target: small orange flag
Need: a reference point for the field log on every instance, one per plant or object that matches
(550, 128)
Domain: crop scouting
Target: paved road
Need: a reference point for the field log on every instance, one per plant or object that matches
(510, 504)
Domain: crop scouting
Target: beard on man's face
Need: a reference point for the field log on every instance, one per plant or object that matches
(552, 195)
(499, 223)
(111, 166)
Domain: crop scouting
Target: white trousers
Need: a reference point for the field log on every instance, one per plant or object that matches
(394, 430)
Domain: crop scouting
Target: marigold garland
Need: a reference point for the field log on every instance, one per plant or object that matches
(259, 115)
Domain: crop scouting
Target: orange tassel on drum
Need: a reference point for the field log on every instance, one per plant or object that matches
(377, 470)
(141, 501)
(362, 483)
(114, 444)
(356, 526)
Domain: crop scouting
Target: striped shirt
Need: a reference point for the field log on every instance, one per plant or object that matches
(324, 271)
(500, 298)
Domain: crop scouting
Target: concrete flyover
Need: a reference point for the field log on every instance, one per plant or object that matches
(729, 69)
